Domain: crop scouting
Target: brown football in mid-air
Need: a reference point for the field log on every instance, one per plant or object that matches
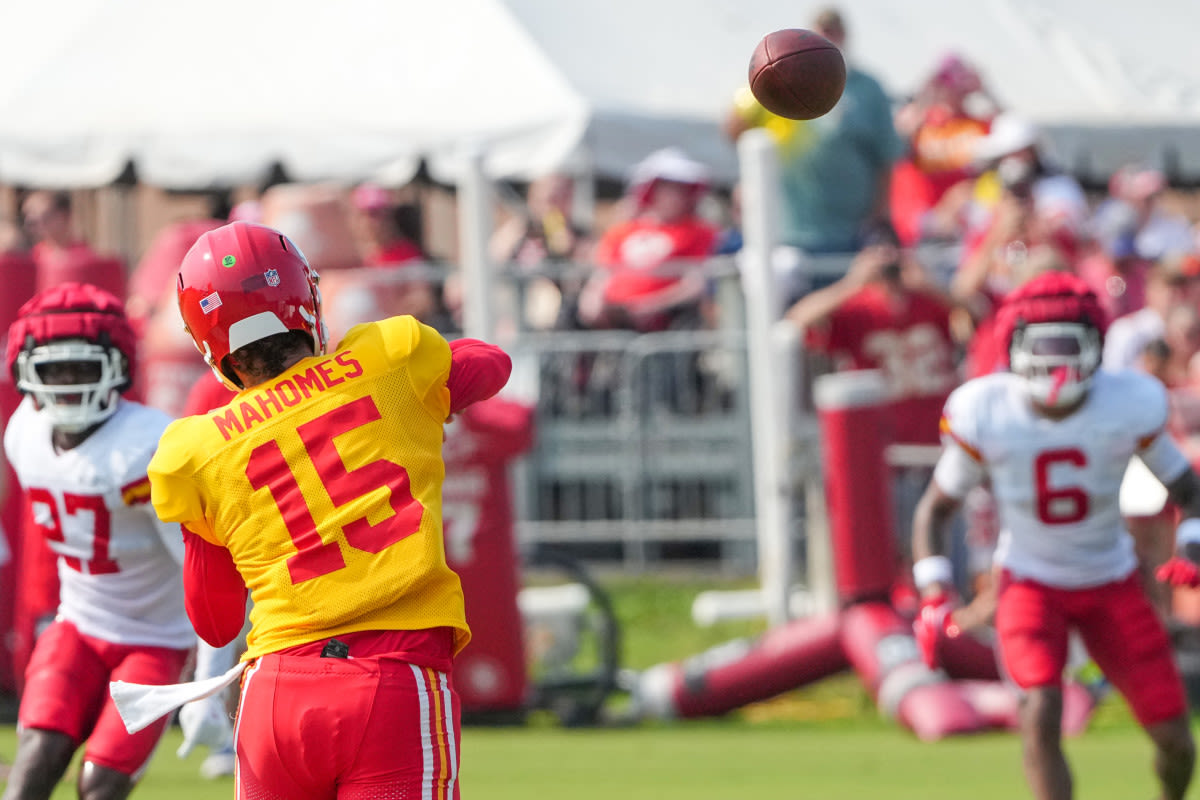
(797, 74)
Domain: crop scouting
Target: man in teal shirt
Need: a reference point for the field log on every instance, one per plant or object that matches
(836, 169)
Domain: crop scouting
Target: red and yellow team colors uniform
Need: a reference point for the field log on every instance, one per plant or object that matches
(319, 493)
(120, 612)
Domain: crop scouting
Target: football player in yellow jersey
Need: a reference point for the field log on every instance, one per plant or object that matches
(317, 489)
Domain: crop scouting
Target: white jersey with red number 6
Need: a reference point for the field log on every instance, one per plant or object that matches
(1056, 482)
(118, 565)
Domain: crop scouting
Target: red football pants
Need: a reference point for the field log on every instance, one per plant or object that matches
(1117, 623)
(322, 728)
(66, 690)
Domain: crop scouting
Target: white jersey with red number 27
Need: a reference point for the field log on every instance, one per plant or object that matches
(1056, 483)
(118, 566)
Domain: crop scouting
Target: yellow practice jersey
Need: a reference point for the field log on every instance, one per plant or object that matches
(325, 486)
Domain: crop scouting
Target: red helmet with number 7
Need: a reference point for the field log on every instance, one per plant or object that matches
(1052, 329)
(241, 283)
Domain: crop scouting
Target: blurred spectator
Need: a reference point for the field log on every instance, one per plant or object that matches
(884, 314)
(1020, 202)
(941, 125)
(1174, 281)
(1182, 339)
(319, 219)
(12, 237)
(152, 282)
(246, 211)
(729, 240)
(60, 254)
(984, 350)
(166, 355)
(389, 236)
(1113, 267)
(545, 231)
(48, 221)
(1135, 195)
(1014, 160)
(386, 231)
(1155, 359)
(1185, 396)
(541, 244)
(649, 275)
(836, 169)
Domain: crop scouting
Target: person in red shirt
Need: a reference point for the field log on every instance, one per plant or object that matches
(647, 277)
(60, 254)
(389, 240)
(385, 241)
(883, 315)
(942, 123)
(47, 217)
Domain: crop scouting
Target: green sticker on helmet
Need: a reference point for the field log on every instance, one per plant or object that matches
(228, 261)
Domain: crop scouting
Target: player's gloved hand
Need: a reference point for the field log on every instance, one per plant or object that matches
(204, 723)
(934, 622)
(1179, 571)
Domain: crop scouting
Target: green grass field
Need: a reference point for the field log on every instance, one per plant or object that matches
(824, 741)
(856, 759)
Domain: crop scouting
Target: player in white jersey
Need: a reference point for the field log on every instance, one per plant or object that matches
(80, 452)
(1053, 437)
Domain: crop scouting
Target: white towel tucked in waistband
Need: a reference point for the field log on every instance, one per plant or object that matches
(140, 704)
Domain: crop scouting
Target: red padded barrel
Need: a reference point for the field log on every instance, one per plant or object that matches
(852, 408)
(490, 674)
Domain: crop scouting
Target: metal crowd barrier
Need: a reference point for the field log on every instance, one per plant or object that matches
(643, 446)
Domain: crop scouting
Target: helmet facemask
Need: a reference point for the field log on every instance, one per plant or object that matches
(101, 375)
(1057, 361)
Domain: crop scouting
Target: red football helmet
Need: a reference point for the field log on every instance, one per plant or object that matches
(80, 323)
(243, 282)
(1052, 329)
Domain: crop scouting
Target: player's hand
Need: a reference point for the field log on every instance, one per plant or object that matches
(934, 622)
(204, 723)
(1179, 571)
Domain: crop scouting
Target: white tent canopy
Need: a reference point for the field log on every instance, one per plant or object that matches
(212, 93)
(216, 92)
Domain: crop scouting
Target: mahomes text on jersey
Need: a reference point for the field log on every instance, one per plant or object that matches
(261, 404)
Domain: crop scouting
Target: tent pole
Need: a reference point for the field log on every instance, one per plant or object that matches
(474, 230)
(767, 367)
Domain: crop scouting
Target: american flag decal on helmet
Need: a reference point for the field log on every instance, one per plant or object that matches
(211, 303)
